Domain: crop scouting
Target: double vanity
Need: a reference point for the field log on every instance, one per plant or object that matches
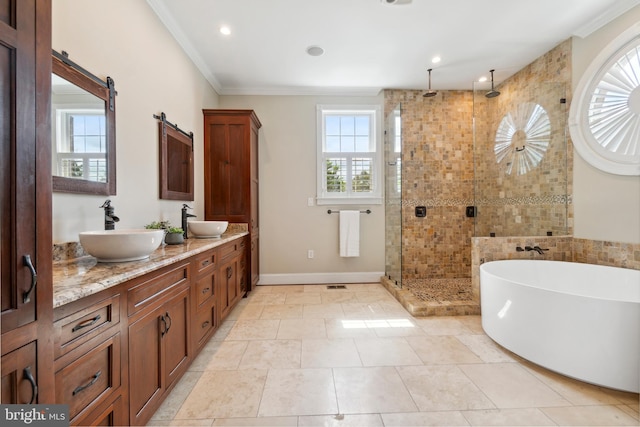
(125, 332)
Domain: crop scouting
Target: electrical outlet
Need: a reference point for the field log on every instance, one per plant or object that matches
(310, 254)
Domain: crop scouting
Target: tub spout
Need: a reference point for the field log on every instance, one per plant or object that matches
(539, 249)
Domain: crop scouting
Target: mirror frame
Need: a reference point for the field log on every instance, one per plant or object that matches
(168, 130)
(80, 77)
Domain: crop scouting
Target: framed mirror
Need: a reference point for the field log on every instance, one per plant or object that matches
(83, 127)
(176, 161)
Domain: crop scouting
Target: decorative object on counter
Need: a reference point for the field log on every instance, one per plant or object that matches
(174, 236)
(207, 229)
(176, 161)
(185, 215)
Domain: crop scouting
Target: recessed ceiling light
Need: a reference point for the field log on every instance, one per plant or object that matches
(225, 30)
(315, 50)
(436, 59)
(482, 79)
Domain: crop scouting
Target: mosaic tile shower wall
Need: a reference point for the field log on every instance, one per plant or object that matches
(437, 172)
(523, 164)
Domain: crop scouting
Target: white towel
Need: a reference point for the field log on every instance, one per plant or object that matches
(349, 233)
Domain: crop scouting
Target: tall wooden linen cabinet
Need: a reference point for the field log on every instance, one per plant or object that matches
(25, 202)
(231, 176)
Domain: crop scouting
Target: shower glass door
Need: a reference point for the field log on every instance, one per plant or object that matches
(393, 193)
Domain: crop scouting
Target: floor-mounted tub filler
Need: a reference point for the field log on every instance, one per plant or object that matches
(580, 320)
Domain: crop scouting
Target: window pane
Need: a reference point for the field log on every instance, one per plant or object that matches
(332, 125)
(76, 124)
(362, 125)
(78, 144)
(335, 173)
(347, 143)
(361, 170)
(347, 125)
(92, 144)
(332, 144)
(362, 144)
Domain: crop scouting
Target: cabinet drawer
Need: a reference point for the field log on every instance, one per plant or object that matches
(205, 288)
(206, 262)
(206, 322)
(90, 379)
(152, 286)
(79, 327)
(231, 249)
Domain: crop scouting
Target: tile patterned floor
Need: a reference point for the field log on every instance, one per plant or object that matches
(308, 356)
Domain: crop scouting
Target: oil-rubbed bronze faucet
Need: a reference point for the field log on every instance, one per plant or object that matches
(185, 215)
(109, 217)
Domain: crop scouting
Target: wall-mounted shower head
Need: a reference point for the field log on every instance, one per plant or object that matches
(492, 93)
(429, 93)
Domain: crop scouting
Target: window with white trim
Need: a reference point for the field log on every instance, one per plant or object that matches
(349, 155)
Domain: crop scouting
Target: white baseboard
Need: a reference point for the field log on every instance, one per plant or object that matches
(315, 278)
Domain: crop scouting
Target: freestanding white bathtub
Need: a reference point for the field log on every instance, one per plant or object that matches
(580, 320)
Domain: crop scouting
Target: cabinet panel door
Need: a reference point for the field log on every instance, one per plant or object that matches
(176, 336)
(216, 170)
(19, 376)
(238, 173)
(145, 377)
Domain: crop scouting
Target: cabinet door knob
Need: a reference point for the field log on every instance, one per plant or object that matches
(26, 372)
(205, 324)
(26, 261)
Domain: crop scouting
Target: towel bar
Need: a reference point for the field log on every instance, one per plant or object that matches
(368, 211)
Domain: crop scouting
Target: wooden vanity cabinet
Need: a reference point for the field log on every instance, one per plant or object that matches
(159, 337)
(90, 357)
(204, 293)
(230, 275)
(25, 203)
(231, 184)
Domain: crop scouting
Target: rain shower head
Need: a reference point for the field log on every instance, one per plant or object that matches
(429, 93)
(492, 93)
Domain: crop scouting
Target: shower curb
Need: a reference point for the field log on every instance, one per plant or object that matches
(419, 308)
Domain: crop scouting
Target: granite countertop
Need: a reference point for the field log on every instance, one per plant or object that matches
(76, 278)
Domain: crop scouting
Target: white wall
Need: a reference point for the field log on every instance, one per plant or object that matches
(606, 206)
(288, 227)
(125, 40)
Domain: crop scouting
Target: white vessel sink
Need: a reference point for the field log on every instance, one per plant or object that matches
(205, 229)
(121, 245)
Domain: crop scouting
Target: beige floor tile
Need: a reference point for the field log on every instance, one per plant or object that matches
(371, 390)
(223, 330)
(329, 353)
(298, 392)
(509, 385)
(442, 350)
(348, 328)
(487, 350)
(247, 312)
(257, 422)
(261, 329)
(369, 287)
(338, 296)
(395, 327)
(446, 325)
(268, 298)
(291, 329)
(418, 419)
(221, 355)
(266, 354)
(323, 311)
(590, 416)
(304, 298)
(318, 287)
(442, 388)
(631, 410)
(508, 417)
(288, 289)
(386, 352)
(211, 396)
(363, 310)
(576, 392)
(282, 311)
(380, 296)
(238, 309)
(473, 323)
(341, 420)
(173, 402)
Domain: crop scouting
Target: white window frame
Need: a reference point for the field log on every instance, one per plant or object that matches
(323, 197)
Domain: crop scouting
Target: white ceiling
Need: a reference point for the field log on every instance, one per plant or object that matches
(370, 45)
